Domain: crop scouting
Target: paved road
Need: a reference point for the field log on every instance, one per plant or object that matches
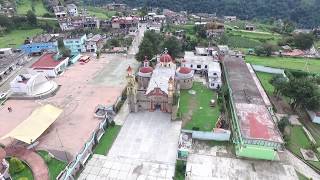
(5, 86)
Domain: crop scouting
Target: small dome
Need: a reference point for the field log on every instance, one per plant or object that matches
(165, 58)
(146, 69)
(185, 70)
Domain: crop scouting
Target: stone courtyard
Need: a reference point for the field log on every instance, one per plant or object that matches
(145, 148)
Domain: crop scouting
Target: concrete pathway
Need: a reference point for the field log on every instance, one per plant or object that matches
(299, 165)
(34, 161)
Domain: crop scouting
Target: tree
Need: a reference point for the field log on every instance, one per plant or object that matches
(265, 50)
(279, 83)
(65, 52)
(173, 45)
(303, 41)
(32, 18)
(145, 49)
(16, 165)
(200, 31)
(283, 123)
(303, 93)
(288, 27)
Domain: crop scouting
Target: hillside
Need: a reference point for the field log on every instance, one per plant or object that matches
(304, 12)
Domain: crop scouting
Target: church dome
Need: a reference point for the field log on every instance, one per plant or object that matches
(184, 73)
(165, 58)
(146, 70)
(185, 70)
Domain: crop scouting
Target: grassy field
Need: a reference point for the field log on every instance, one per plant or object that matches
(26, 173)
(100, 13)
(16, 37)
(297, 140)
(107, 140)
(286, 63)
(203, 116)
(55, 166)
(23, 6)
(264, 79)
(242, 42)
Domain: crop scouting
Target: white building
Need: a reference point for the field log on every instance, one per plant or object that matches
(214, 75)
(60, 12)
(31, 84)
(72, 10)
(50, 64)
(196, 62)
(94, 43)
(314, 116)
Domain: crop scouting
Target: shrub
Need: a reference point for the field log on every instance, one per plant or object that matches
(195, 128)
(112, 124)
(16, 165)
(283, 123)
(47, 158)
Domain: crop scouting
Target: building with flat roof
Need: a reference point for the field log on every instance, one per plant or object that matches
(255, 133)
(40, 44)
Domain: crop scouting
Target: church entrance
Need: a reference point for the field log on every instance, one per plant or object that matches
(157, 107)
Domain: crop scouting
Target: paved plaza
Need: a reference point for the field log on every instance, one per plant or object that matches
(209, 167)
(82, 88)
(145, 148)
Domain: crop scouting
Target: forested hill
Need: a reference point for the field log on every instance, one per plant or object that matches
(306, 13)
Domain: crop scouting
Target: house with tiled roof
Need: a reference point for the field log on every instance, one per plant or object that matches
(50, 64)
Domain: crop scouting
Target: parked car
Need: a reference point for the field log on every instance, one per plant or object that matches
(84, 59)
(3, 95)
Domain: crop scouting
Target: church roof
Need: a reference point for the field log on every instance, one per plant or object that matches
(160, 78)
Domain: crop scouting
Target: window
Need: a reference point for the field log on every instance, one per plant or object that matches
(206, 66)
(198, 66)
(79, 50)
(191, 66)
(214, 74)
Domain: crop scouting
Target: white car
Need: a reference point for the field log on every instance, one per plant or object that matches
(3, 95)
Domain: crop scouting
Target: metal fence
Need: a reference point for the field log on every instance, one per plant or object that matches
(70, 172)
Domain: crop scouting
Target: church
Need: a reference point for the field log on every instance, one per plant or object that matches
(157, 88)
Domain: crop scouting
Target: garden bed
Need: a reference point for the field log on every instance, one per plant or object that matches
(25, 173)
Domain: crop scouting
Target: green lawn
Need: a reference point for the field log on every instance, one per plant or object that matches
(107, 140)
(26, 173)
(55, 166)
(180, 170)
(16, 37)
(100, 13)
(297, 140)
(203, 116)
(23, 6)
(264, 79)
(286, 63)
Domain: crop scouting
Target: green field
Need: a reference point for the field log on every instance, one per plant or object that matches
(107, 140)
(286, 63)
(297, 140)
(265, 81)
(23, 6)
(242, 42)
(100, 13)
(16, 37)
(26, 173)
(55, 166)
(203, 116)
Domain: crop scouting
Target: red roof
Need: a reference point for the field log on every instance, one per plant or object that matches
(146, 69)
(185, 70)
(165, 58)
(46, 62)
